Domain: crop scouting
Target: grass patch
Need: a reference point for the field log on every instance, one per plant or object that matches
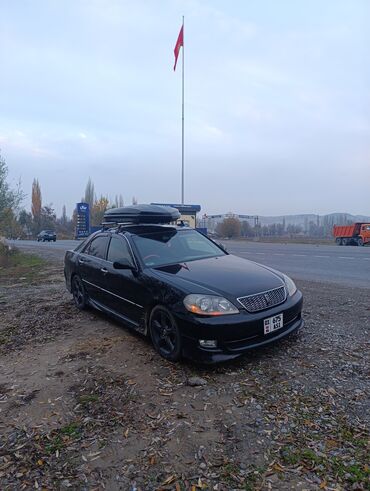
(72, 429)
(62, 437)
(329, 466)
(87, 398)
(15, 265)
(5, 335)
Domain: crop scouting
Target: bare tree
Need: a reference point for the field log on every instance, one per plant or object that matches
(90, 196)
(36, 206)
(229, 227)
(64, 218)
(9, 199)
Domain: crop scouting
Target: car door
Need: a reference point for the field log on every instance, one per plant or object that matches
(124, 290)
(90, 266)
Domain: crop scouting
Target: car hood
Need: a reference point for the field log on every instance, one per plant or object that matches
(228, 275)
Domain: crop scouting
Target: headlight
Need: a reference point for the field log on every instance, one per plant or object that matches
(209, 305)
(290, 285)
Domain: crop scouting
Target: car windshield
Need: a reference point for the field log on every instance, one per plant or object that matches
(173, 246)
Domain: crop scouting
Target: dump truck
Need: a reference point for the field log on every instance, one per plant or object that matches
(354, 234)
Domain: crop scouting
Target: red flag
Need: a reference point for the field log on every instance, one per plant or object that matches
(179, 43)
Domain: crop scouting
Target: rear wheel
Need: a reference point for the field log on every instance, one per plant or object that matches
(338, 241)
(165, 333)
(344, 242)
(79, 293)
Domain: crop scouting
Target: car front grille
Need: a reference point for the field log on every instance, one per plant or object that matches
(263, 300)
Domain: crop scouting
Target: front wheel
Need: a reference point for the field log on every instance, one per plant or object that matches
(165, 333)
(360, 242)
(79, 293)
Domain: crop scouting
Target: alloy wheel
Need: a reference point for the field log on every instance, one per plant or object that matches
(165, 334)
(78, 292)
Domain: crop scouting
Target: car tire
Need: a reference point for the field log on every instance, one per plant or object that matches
(360, 242)
(165, 333)
(79, 293)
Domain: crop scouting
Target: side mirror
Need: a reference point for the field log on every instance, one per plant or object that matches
(123, 264)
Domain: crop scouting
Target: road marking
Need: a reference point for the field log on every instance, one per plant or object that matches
(260, 253)
(300, 255)
(345, 257)
(321, 256)
(278, 254)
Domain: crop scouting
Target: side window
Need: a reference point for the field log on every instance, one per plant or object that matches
(98, 247)
(118, 249)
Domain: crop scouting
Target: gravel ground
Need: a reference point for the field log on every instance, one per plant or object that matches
(87, 404)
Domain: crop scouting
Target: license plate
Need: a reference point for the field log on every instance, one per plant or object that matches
(273, 323)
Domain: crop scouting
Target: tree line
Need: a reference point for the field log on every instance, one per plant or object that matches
(232, 227)
(17, 222)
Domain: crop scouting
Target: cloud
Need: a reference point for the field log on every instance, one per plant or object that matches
(276, 95)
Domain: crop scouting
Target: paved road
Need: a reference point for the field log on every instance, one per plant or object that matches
(348, 265)
(344, 265)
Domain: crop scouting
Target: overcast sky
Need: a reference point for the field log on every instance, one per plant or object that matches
(277, 102)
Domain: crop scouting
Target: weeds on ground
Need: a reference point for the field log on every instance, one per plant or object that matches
(16, 265)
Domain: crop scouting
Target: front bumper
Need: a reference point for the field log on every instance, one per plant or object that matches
(236, 334)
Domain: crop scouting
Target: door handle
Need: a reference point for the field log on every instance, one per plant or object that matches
(104, 270)
(82, 260)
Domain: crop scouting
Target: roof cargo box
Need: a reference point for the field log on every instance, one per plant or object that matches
(141, 214)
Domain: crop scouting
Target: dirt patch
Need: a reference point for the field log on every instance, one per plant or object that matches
(87, 404)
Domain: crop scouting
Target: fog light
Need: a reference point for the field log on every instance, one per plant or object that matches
(208, 343)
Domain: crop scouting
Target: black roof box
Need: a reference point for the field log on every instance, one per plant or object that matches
(141, 214)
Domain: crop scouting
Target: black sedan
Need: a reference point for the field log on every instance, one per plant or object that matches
(47, 236)
(183, 290)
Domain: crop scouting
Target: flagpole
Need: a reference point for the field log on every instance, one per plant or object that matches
(182, 152)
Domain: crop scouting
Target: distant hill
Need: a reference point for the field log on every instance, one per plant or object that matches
(302, 220)
(305, 219)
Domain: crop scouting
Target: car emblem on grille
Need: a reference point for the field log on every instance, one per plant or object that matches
(267, 298)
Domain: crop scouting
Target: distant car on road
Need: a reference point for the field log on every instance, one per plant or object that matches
(47, 235)
(180, 288)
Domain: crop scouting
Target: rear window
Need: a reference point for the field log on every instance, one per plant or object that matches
(98, 247)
